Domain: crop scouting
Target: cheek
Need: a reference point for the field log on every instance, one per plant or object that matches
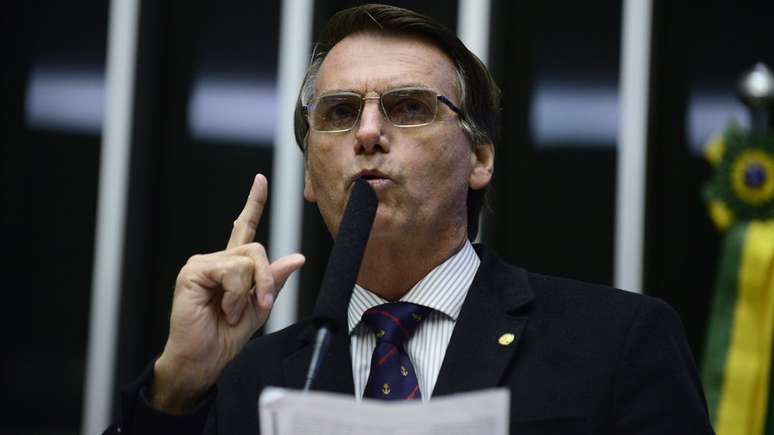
(320, 177)
(452, 162)
(324, 177)
(444, 172)
(321, 164)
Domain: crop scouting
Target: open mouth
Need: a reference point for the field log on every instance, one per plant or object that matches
(376, 179)
(372, 177)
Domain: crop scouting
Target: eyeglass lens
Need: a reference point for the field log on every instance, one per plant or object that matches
(402, 107)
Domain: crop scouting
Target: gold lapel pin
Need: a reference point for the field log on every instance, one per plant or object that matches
(506, 339)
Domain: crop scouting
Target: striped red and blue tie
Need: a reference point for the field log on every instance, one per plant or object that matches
(392, 375)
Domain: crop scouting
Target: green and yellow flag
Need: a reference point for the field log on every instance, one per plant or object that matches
(737, 366)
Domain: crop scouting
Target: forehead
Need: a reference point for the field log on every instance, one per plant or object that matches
(366, 62)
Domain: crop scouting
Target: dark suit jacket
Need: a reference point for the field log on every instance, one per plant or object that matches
(587, 359)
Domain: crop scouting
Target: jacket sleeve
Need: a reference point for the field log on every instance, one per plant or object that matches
(657, 388)
(138, 417)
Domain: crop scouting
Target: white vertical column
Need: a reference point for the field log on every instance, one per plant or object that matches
(473, 18)
(287, 182)
(473, 26)
(111, 214)
(632, 142)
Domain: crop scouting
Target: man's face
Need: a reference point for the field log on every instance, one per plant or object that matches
(421, 174)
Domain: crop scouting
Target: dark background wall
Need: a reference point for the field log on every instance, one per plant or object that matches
(203, 126)
(49, 187)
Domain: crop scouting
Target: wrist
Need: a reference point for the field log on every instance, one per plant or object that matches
(174, 389)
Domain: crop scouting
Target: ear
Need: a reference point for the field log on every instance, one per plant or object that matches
(483, 166)
(308, 188)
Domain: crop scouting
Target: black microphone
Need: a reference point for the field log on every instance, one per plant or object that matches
(342, 270)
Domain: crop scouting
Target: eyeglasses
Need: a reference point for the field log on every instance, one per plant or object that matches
(404, 107)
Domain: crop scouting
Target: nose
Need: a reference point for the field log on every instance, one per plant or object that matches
(368, 132)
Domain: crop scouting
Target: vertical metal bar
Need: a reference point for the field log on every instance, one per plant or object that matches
(111, 214)
(473, 30)
(632, 143)
(473, 26)
(287, 183)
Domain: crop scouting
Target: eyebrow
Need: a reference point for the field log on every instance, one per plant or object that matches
(389, 88)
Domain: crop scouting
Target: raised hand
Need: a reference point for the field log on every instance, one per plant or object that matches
(220, 300)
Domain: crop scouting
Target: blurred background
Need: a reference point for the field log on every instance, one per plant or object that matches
(203, 120)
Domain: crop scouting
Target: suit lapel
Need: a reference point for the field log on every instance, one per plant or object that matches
(335, 371)
(494, 306)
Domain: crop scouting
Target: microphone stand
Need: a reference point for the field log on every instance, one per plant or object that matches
(341, 271)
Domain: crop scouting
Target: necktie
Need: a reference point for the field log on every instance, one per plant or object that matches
(392, 375)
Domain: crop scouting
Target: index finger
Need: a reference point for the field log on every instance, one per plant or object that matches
(247, 221)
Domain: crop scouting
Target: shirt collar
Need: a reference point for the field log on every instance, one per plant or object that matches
(443, 289)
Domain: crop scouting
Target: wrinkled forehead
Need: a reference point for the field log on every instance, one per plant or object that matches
(371, 62)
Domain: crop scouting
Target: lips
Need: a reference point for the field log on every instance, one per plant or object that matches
(370, 175)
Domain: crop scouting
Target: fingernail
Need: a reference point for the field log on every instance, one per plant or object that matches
(268, 300)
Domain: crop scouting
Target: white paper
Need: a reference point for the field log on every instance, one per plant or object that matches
(289, 412)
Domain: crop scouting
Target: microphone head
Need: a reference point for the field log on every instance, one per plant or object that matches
(347, 254)
(360, 210)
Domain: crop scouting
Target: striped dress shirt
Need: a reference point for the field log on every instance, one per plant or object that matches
(444, 290)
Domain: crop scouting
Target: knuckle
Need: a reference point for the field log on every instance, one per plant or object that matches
(265, 281)
(184, 278)
(244, 264)
(257, 248)
(184, 271)
(253, 221)
(241, 267)
(231, 265)
(194, 259)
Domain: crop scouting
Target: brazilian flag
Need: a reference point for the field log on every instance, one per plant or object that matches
(737, 366)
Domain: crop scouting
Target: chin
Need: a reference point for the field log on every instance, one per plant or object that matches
(384, 227)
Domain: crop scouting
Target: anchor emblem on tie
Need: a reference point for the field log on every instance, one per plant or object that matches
(386, 389)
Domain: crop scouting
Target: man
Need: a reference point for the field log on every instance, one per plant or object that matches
(396, 99)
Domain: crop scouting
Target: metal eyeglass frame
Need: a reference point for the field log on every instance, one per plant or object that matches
(307, 108)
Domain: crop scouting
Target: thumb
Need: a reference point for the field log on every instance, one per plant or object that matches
(283, 267)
